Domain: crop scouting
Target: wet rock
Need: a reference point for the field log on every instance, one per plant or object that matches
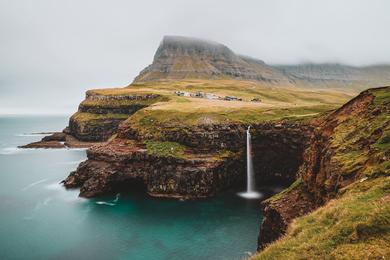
(112, 165)
(44, 145)
(60, 137)
(277, 214)
(59, 140)
(203, 173)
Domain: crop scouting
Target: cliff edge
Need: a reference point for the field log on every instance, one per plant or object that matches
(345, 179)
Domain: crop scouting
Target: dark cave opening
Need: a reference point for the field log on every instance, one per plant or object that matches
(129, 185)
(277, 157)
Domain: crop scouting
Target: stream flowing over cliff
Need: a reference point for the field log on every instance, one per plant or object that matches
(179, 132)
(204, 172)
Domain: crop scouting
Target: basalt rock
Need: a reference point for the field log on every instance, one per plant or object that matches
(93, 130)
(113, 166)
(187, 58)
(325, 169)
(44, 145)
(277, 214)
(99, 116)
(202, 172)
(183, 57)
(227, 136)
(59, 140)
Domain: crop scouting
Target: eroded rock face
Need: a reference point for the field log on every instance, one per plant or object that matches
(323, 176)
(182, 57)
(202, 173)
(94, 130)
(278, 214)
(59, 140)
(111, 166)
(336, 75)
(210, 137)
(277, 150)
(323, 172)
(99, 116)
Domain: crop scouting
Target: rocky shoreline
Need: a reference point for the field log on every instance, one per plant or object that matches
(146, 137)
(59, 140)
(305, 148)
(201, 171)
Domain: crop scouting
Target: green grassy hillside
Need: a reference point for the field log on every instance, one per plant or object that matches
(356, 223)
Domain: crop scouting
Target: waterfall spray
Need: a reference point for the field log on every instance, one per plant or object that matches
(250, 177)
(250, 185)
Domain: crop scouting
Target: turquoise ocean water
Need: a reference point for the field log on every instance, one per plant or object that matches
(39, 219)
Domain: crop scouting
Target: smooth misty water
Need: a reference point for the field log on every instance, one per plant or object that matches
(250, 192)
(250, 185)
(41, 220)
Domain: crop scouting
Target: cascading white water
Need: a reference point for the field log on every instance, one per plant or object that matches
(250, 177)
(250, 187)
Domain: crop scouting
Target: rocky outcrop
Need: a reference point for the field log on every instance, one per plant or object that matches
(226, 136)
(115, 104)
(278, 150)
(120, 163)
(182, 57)
(99, 115)
(93, 130)
(98, 118)
(344, 147)
(202, 137)
(277, 212)
(323, 175)
(335, 75)
(59, 140)
(213, 160)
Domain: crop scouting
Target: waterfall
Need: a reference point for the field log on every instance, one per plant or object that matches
(250, 185)
(250, 176)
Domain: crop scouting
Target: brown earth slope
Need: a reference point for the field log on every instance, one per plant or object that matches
(345, 170)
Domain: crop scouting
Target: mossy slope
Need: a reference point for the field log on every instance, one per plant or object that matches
(356, 223)
(354, 226)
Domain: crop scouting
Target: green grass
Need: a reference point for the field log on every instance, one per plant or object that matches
(277, 103)
(113, 103)
(88, 117)
(169, 111)
(354, 226)
(166, 149)
(246, 90)
(154, 122)
(361, 143)
(298, 182)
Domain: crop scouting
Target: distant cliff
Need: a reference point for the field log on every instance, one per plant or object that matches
(181, 57)
(335, 75)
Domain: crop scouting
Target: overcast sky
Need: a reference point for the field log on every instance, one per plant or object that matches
(52, 51)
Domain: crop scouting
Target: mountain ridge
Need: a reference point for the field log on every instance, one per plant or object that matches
(179, 57)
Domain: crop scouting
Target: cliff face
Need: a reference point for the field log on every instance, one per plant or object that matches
(334, 75)
(350, 144)
(117, 166)
(179, 132)
(183, 57)
(189, 58)
(179, 58)
(101, 112)
(182, 167)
